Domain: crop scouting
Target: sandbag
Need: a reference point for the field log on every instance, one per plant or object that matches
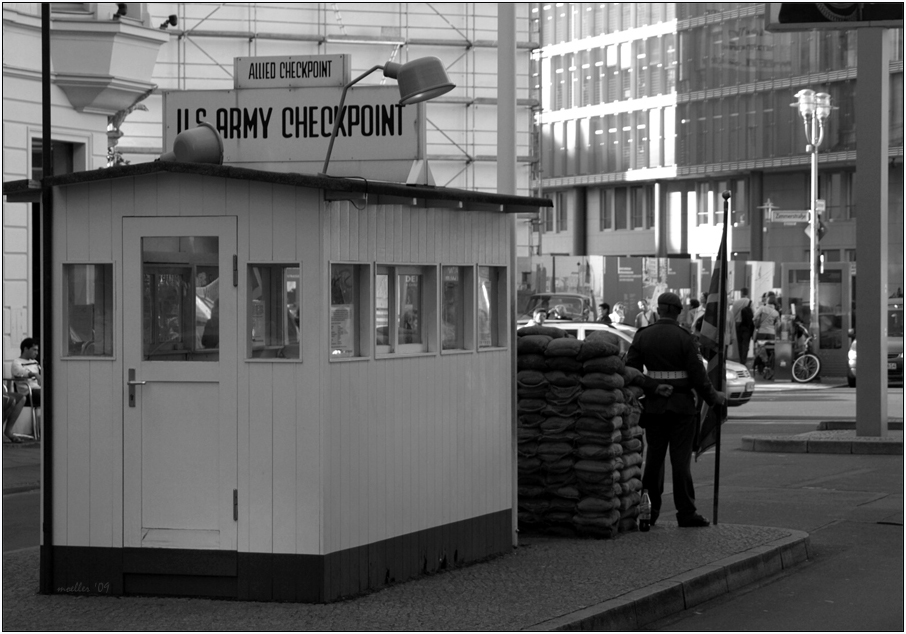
(607, 365)
(564, 364)
(563, 395)
(628, 500)
(601, 381)
(563, 347)
(596, 506)
(567, 493)
(595, 348)
(567, 436)
(527, 449)
(569, 410)
(598, 452)
(599, 397)
(531, 362)
(632, 484)
(562, 466)
(530, 419)
(630, 459)
(633, 444)
(629, 473)
(598, 425)
(562, 379)
(530, 405)
(632, 377)
(531, 491)
(607, 489)
(532, 344)
(604, 520)
(553, 333)
(631, 432)
(552, 452)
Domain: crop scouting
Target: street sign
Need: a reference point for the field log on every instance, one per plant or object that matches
(790, 215)
(820, 206)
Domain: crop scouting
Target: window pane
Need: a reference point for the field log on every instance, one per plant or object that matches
(410, 302)
(382, 309)
(453, 308)
(180, 311)
(88, 320)
(345, 309)
(274, 317)
(491, 306)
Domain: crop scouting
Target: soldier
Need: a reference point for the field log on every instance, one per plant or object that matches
(668, 354)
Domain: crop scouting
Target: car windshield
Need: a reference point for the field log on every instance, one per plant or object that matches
(558, 306)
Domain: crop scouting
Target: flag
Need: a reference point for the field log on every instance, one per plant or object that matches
(713, 349)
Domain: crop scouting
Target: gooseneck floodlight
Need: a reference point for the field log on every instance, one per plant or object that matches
(419, 80)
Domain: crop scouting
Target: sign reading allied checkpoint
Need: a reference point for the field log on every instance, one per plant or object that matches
(294, 71)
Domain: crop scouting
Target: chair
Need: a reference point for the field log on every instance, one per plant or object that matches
(21, 386)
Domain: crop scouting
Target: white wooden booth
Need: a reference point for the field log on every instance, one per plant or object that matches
(272, 386)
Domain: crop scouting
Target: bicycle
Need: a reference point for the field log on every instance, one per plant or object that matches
(807, 365)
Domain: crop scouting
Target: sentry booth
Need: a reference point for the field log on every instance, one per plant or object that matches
(273, 386)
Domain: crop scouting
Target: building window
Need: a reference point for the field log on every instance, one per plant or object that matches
(620, 208)
(547, 220)
(606, 211)
(88, 310)
(638, 207)
(562, 213)
(349, 300)
(492, 307)
(739, 204)
(274, 311)
(405, 303)
(456, 307)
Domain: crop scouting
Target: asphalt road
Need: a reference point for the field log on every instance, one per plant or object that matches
(851, 506)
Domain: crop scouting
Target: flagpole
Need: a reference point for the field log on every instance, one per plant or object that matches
(721, 347)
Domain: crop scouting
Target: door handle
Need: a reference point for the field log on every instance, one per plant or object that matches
(132, 383)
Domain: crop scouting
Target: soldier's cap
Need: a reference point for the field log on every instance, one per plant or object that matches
(670, 299)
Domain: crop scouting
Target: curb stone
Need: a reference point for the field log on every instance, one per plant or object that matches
(686, 590)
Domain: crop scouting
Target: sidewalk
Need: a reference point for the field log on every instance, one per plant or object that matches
(546, 583)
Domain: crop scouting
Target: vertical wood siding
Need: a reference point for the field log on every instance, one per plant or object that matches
(414, 442)
(331, 455)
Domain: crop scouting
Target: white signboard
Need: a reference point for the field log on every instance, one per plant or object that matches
(790, 215)
(291, 72)
(287, 125)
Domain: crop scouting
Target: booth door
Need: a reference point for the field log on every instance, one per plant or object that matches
(180, 384)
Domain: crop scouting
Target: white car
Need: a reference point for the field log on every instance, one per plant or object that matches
(740, 384)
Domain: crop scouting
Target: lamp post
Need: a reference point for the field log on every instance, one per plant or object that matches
(814, 108)
(419, 80)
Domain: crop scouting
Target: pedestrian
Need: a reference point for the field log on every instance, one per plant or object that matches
(669, 356)
(618, 316)
(766, 320)
(605, 313)
(692, 314)
(744, 320)
(538, 317)
(646, 316)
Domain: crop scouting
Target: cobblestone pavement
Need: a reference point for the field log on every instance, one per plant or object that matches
(543, 579)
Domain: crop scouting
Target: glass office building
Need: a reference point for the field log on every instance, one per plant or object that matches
(650, 110)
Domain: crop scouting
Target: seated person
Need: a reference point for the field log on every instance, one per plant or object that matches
(13, 403)
(27, 367)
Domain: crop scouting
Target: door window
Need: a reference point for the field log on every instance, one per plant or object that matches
(180, 298)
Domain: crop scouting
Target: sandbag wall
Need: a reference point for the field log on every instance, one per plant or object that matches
(579, 442)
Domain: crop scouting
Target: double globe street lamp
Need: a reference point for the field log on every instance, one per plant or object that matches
(814, 108)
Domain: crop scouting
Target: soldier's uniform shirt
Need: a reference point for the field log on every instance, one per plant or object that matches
(667, 347)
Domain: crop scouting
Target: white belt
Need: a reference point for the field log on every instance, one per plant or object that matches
(669, 374)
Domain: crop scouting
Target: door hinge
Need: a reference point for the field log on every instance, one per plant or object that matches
(235, 505)
(235, 270)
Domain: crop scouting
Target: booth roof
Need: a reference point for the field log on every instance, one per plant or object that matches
(335, 188)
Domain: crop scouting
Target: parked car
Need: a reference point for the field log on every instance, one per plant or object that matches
(561, 307)
(740, 384)
(894, 345)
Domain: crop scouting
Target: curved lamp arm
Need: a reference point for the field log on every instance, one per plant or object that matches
(339, 115)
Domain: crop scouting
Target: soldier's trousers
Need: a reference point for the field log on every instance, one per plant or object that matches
(673, 432)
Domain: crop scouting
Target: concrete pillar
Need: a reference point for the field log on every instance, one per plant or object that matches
(873, 124)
